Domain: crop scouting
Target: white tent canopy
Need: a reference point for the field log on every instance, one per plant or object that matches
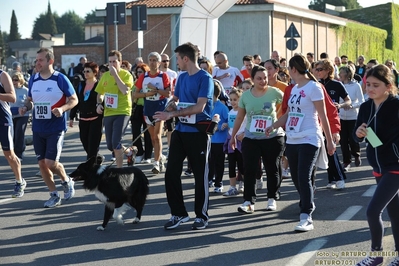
(199, 23)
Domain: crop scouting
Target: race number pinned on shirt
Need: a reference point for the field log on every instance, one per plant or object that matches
(189, 119)
(231, 120)
(155, 97)
(111, 100)
(259, 123)
(294, 121)
(43, 110)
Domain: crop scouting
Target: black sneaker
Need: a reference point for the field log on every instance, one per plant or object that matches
(175, 221)
(199, 224)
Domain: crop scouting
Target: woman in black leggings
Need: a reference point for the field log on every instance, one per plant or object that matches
(378, 122)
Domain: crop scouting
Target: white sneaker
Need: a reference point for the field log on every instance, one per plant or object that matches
(156, 170)
(163, 158)
(146, 161)
(247, 207)
(271, 205)
(304, 225)
(331, 185)
(218, 189)
(340, 185)
(139, 159)
(231, 192)
(241, 187)
(259, 183)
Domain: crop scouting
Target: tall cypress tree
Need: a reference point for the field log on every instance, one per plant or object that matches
(52, 26)
(14, 34)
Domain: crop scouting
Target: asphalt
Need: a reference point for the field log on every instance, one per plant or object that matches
(67, 235)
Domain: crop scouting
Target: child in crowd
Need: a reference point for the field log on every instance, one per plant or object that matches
(246, 85)
(217, 156)
(235, 156)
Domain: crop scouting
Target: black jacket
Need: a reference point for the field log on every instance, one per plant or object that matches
(87, 108)
(385, 124)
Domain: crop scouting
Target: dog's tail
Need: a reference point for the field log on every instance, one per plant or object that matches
(138, 190)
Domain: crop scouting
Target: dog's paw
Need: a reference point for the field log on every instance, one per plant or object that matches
(136, 220)
(100, 228)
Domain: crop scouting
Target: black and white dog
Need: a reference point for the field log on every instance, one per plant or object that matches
(118, 188)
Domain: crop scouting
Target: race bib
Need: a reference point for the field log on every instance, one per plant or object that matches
(43, 110)
(231, 120)
(155, 97)
(294, 121)
(111, 100)
(189, 119)
(259, 123)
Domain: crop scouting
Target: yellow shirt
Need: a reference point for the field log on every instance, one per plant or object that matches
(115, 103)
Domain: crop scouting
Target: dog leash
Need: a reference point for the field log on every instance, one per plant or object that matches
(171, 105)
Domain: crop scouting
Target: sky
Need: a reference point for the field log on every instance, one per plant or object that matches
(27, 11)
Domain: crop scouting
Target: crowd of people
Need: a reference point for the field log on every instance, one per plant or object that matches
(283, 116)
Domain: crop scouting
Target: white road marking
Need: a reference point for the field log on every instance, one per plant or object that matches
(307, 252)
(370, 192)
(349, 213)
(5, 200)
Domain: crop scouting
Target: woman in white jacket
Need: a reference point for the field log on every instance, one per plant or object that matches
(348, 116)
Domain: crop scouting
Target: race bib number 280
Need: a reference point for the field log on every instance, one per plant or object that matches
(43, 110)
(294, 121)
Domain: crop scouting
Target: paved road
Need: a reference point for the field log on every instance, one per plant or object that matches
(66, 235)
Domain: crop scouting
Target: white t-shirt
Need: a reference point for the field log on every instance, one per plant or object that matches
(234, 74)
(303, 125)
(231, 119)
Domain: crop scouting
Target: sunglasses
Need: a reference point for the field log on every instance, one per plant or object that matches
(140, 72)
(15, 80)
(319, 69)
(86, 71)
(165, 61)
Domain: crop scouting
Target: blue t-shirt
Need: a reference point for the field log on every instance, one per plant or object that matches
(188, 89)
(46, 95)
(220, 135)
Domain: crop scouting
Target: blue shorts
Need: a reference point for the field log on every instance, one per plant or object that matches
(48, 145)
(6, 138)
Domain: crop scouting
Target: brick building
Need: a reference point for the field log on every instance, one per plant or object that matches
(249, 27)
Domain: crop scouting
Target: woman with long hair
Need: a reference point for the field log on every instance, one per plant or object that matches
(378, 122)
(304, 135)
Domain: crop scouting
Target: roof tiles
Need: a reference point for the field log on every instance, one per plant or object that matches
(179, 3)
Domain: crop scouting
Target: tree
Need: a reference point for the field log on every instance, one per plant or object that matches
(14, 34)
(91, 18)
(319, 5)
(45, 23)
(73, 27)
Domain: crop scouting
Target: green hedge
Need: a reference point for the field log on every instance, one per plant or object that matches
(371, 41)
(359, 39)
